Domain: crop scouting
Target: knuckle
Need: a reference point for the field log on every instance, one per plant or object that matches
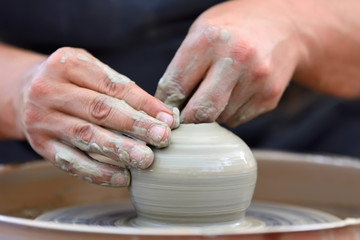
(83, 132)
(32, 120)
(242, 51)
(80, 51)
(141, 101)
(38, 88)
(273, 93)
(109, 87)
(205, 32)
(31, 116)
(261, 70)
(210, 32)
(112, 88)
(65, 57)
(100, 109)
(60, 56)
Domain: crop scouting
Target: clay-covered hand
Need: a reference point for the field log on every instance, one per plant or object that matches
(234, 64)
(72, 104)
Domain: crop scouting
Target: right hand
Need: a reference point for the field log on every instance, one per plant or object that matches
(234, 64)
(70, 105)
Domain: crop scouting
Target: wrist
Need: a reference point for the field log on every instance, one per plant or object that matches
(311, 21)
(15, 65)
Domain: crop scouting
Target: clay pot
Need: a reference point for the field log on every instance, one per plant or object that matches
(206, 176)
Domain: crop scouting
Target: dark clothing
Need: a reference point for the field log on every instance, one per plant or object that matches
(128, 35)
(139, 38)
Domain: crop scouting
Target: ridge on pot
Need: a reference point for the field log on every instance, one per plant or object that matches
(206, 176)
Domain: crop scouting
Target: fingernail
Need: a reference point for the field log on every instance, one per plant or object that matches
(141, 156)
(160, 135)
(166, 118)
(120, 179)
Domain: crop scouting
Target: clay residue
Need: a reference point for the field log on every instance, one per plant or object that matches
(176, 115)
(67, 162)
(136, 156)
(112, 75)
(143, 126)
(223, 69)
(172, 89)
(90, 170)
(204, 111)
(68, 53)
(120, 179)
(224, 35)
(103, 150)
(141, 152)
(83, 57)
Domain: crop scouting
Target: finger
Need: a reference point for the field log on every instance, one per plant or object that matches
(94, 139)
(112, 113)
(264, 98)
(245, 112)
(186, 69)
(84, 70)
(241, 94)
(117, 149)
(251, 109)
(258, 87)
(213, 93)
(82, 166)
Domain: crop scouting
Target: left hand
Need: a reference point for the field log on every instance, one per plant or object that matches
(234, 64)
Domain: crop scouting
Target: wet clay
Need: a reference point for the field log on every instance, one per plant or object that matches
(207, 176)
(31, 189)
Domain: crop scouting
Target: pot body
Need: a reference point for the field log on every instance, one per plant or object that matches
(206, 176)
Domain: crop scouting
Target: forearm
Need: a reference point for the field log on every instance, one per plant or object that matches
(15, 63)
(331, 57)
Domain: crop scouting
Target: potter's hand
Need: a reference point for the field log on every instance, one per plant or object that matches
(234, 64)
(72, 101)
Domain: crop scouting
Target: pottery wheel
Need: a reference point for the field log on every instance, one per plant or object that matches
(122, 214)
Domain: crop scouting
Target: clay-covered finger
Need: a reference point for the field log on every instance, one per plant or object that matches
(82, 166)
(241, 94)
(94, 139)
(213, 94)
(186, 69)
(251, 109)
(114, 114)
(261, 98)
(84, 70)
